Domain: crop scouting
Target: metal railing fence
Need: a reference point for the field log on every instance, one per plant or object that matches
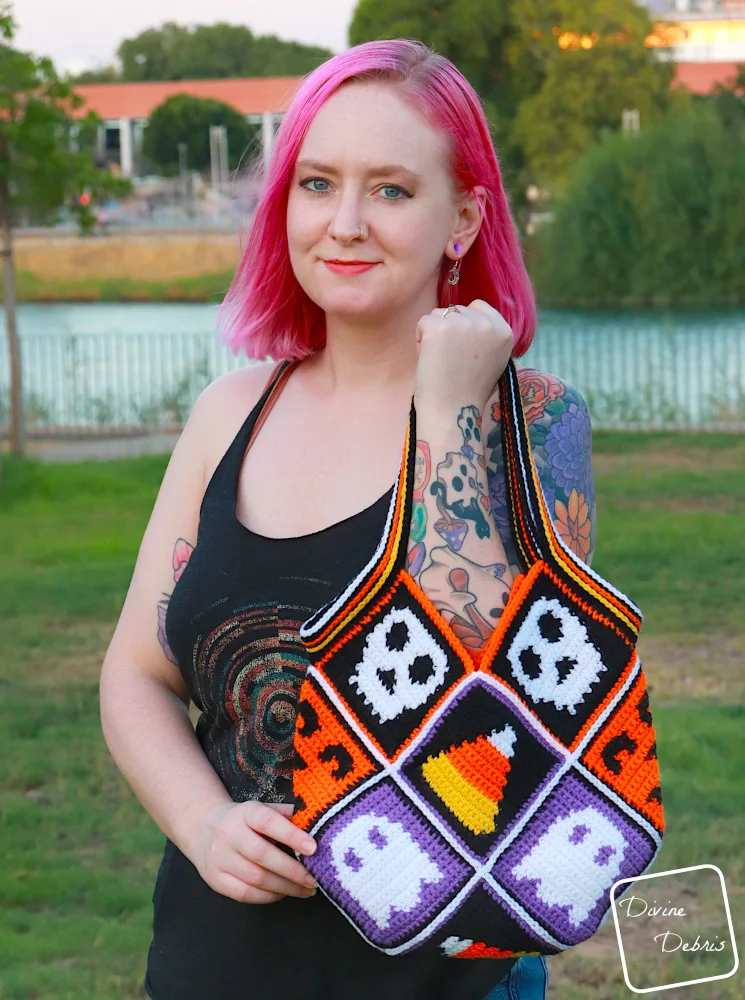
(632, 375)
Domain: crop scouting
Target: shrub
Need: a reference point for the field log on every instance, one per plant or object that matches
(650, 218)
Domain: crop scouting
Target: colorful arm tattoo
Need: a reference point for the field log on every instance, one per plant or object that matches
(561, 442)
(455, 553)
(181, 555)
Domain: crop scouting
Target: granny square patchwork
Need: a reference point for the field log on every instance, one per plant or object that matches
(477, 804)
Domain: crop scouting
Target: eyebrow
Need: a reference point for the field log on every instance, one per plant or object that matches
(384, 169)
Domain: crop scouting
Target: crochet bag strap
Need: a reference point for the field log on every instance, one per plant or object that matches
(536, 536)
(523, 487)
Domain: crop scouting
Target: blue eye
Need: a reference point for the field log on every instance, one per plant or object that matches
(313, 180)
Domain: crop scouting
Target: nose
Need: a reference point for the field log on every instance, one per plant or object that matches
(346, 224)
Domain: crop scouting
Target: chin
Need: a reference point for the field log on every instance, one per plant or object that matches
(347, 306)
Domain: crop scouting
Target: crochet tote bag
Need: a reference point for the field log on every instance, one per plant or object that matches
(477, 804)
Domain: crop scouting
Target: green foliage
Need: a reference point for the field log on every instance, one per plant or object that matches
(38, 171)
(582, 91)
(728, 103)
(471, 33)
(215, 51)
(183, 118)
(655, 218)
(106, 74)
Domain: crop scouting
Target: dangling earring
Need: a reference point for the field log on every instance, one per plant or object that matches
(454, 273)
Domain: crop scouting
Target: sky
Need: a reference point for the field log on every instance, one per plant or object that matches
(82, 34)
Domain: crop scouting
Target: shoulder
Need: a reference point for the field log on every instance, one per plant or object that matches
(560, 434)
(221, 409)
(545, 398)
(544, 394)
(559, 424)
(234, 389)
(557, 415)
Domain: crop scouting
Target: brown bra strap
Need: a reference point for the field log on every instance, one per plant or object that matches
(273, 396)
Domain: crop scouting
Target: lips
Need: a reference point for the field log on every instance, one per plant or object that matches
(349, 267)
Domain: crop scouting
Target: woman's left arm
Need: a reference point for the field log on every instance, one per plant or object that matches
(561, 442)
(461, 549)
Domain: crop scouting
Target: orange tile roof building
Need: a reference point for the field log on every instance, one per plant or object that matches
(701, 77)
(126, 107)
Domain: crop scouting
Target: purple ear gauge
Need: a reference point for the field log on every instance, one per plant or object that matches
(457, 247)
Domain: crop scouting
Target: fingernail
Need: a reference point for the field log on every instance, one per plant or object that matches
(309, 846)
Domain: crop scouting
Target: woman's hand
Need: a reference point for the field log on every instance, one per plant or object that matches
(462, 355)
(233, 852)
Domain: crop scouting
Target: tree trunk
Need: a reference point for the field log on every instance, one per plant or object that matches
(17, 429)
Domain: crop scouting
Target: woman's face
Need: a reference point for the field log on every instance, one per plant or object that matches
(378, 165)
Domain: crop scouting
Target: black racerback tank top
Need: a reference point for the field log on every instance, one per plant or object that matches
(232, 624)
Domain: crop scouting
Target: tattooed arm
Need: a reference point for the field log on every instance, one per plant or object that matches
(181, 554)
(561, 443)
(455, 553)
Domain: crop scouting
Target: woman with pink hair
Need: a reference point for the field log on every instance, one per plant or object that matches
(384, 272)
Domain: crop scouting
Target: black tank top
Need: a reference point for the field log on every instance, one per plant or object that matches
(232, 624)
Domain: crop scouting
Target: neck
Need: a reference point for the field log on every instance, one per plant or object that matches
(367, 360)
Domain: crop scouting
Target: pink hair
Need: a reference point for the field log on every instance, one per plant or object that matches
(267, 314)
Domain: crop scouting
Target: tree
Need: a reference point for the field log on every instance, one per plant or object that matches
(183, 118)
(214, 51)
(650, 218)
(39, 172)
(473, 34)
(589, 62)
(106, 74)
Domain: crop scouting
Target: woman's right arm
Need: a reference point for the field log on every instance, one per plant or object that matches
(145, 704)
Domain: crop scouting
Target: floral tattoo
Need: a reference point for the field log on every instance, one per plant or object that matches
(181, 555)
(561, 442)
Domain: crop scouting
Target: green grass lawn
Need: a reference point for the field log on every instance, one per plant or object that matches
(209, 287)
(79, 852)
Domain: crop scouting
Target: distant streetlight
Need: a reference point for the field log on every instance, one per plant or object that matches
(219, 157)
(184, 175)
(630, 120)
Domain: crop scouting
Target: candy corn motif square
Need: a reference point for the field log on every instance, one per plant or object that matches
(479, 765)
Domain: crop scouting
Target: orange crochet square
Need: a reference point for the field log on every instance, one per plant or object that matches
(330, 759)
(625, 756)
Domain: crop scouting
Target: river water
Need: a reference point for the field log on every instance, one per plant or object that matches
(131, 364)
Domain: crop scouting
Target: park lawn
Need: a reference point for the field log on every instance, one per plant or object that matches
(80, 854)
(210, 287)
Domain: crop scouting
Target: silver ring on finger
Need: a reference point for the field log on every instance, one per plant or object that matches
(450, 308)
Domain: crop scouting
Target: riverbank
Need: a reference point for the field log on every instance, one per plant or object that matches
(172, 266)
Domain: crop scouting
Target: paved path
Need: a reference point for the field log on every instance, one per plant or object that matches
(101, 449)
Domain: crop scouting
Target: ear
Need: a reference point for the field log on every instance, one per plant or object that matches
(469, 220)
